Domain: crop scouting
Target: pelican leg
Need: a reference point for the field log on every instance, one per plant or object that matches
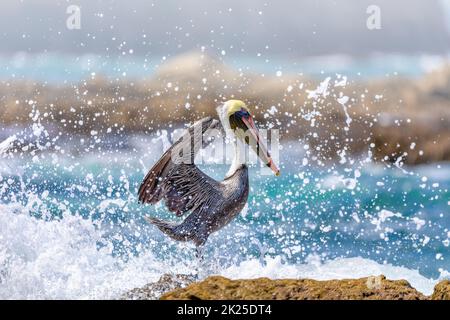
(199, 250)
(199, 253)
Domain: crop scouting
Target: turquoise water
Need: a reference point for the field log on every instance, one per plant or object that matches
(60, 69)
(380, 213)
(284, 215)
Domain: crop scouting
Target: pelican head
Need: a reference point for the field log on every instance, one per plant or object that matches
(237, 119)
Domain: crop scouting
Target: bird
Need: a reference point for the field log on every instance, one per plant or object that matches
(185, 188)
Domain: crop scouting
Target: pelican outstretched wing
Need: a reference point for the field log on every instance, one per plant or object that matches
(180, 183)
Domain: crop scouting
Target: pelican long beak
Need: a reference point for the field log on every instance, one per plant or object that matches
(261, 149)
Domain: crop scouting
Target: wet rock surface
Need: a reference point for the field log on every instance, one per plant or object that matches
(442, 291)
(371, 288)
(184, 287)
(153, 291)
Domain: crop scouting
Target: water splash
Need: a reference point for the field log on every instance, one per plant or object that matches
(70, 225)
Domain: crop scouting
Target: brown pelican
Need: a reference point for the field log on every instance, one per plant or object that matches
(184, 187)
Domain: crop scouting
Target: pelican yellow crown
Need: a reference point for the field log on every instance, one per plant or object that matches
(235, 105)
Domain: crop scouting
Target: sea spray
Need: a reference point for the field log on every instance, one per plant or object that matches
(71, 227)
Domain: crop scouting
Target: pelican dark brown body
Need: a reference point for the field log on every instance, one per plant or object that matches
(185, 188)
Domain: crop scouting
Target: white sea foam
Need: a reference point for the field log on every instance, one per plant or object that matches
(6, 144)
(62, 260)
(105, 204)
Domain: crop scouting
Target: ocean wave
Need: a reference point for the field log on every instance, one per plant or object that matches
(69, 258)
(63, 259)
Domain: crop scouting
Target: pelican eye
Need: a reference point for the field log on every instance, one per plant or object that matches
(236, 119)
(242, 113)
(236, 122)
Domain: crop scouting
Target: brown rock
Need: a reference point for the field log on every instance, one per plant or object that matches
(393, 114)
(372, 288)
(441, 291)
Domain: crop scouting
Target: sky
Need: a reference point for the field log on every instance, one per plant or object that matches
(291, 28)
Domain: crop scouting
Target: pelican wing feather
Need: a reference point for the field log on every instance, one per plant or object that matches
(182, 185)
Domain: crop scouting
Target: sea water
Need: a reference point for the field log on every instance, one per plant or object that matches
(57, 69)
(71, 226)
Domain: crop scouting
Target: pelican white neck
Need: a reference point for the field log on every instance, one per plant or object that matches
(238, 145)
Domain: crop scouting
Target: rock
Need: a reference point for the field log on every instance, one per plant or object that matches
(194, 66)
(441, 291)
(407, 120)
(152, 291)
(371, 288)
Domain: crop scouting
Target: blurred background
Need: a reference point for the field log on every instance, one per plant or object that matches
(289, 29)
(306, 36)
(174, 61)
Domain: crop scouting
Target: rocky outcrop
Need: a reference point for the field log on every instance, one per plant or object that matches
(152, 291)
(372, 288)
(184, 287)
(442, 291)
